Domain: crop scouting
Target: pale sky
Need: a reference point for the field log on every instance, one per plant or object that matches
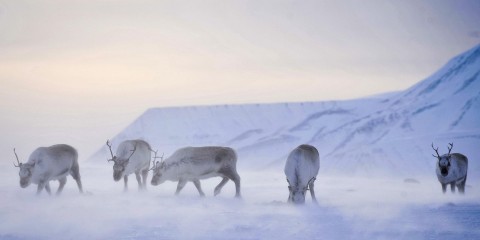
(78, 72)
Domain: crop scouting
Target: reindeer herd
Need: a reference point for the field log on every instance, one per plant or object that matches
(195, 163)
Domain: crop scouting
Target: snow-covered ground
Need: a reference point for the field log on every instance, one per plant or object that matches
(376, 181)
(349, 208)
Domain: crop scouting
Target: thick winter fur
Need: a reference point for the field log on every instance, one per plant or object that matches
(452, 169)
(301, 169)
(50, 163)
(125, 163)
(195, 163)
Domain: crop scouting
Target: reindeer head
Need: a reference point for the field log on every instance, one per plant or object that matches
(158, 169)
(297, 191)
(25, 173)
(444, 160)
(119, 163)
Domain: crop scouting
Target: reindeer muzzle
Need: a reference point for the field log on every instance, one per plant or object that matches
(298, 197)
(117, 176)
(24, 183)
(444, 171)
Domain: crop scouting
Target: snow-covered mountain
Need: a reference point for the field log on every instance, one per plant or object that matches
(386, 134)
(443, 108)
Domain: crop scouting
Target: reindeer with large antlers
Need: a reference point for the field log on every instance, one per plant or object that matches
(50, 163)
(451, 169)
(133, 156)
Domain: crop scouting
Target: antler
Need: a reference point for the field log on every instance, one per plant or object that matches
(133, 151)
(311, 180)
(110, 148)
(436, 150)
(19, 163)
(450, 148)
(153, 161)
(154, 165)
(155, 157)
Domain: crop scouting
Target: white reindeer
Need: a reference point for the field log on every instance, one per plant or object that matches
(195, 163)
(50, 163)
(451, 169)
(133, 156)
(301, 170)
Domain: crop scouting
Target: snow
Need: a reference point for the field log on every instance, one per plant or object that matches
(377, 176)
(349, 208)
(380, 135)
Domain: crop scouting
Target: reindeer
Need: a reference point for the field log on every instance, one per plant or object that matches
(451, 169)
(301, 170)
(195, 163)
(133, 156)
(50, 163)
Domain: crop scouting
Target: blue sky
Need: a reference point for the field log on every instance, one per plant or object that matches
(79, 71)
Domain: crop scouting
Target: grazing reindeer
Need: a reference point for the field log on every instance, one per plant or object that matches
(50, 163)
(451, 169)
(195, 163)
(133, 156)
(301, 170)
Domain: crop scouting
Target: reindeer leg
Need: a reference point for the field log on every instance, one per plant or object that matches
(219, 187)
(232, 175)
(47, 187)
(444, 188)
(199, 187)
(40, 187)
(75, 172)
(144, 178)
(312, 192)
(236, 179)
(137, 175)
(62, 182)
(290, 200)
(181, 184)
(125, 181)
(461, 186)
(452, 187)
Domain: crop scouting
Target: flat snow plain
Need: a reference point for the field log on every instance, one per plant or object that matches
(349, 208)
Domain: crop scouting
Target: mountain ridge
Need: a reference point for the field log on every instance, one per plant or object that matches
(353, 136)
